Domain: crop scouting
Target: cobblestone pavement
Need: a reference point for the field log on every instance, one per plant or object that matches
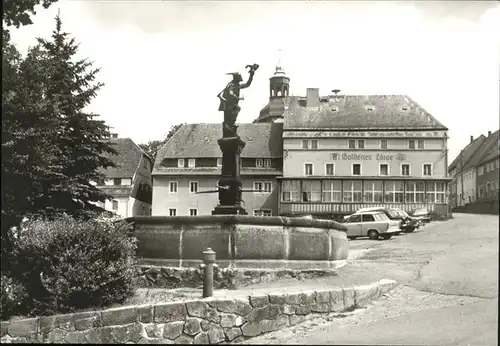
(448, 273)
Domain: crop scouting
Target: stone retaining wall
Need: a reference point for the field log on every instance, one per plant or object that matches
(210, 320)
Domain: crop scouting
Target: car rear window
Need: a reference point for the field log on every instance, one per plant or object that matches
(393, 213)
(381, 217)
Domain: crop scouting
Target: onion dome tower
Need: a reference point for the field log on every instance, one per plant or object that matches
(279, 88)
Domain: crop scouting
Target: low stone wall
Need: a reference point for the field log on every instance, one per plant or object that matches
(240, 241)
(203, 321)
(225, 278)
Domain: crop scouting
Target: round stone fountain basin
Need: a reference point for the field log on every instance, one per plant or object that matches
(241, 241)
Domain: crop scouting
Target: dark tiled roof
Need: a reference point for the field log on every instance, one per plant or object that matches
(160, 170)
(352, 113)
(274, 109)
(126, 161)
(487, 151)
(467, 152)
(200, 140)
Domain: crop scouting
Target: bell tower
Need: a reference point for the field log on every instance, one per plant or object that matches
(279, 90)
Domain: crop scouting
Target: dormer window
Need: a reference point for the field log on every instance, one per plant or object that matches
(263, 163)
(219, 162)
(180, 163)
(191, 163)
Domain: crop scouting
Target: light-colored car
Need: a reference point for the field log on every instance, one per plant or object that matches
(373, 224)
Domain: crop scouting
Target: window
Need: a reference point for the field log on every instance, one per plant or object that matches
(384, 169)
(193, 186)
(267, 163)
(290, 191)
(305, 144)
(126, 182)
(356, 169)
(219, 162)
(311, 191)
(352, 144)
(314, 144)
(420, 144)
(180, 163)
(191, 163)
(373, 192)
(332, 191)
(329, 169)
(193, 212)
(262, 212)
(355, 218)
(411, 143)
(173, 187)
(427, 169)
(115, 205)
(308, 169)
(361, 143)
(259, 163)
(435, 192)
(393, 192)
(352, 191)
(309, 144)
(117, 181)
(172, 211)
(367, 218)
(480, 170)
(383, 144)
(262, 186)
(405, 169)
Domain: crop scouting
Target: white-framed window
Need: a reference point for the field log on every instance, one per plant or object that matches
(263, 162)
(480, 170)
(115, 205)
(193, 186)
(180, 163)
(352, 144)
(332, 191)
(309, 144)
(383, 144)
(373, 192)
(435, 192)
(191, 163)
(172, 187)
(267, 163)
(383, 169)
(290, 191)
(414, 192)
(219, 162)
(393, 192)
(405, 169)
(361, 143)
(172, 212)
(263, 186)
(427, 169)
(329, 168)
(356, 169)
(262, 212)
(193, 212)
(352, 191)
(311, 191)
(420, 144)
(308, 169)
(411, 144)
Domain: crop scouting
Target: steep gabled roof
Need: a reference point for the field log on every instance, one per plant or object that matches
(200, 140)
(467, 152)
(351, 112)
(127, 159)
(488, 150)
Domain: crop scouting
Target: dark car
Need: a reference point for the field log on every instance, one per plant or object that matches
(409, 223)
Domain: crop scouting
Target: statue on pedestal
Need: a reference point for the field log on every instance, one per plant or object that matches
(229, 99)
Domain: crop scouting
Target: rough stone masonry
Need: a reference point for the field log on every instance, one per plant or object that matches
(203, 321)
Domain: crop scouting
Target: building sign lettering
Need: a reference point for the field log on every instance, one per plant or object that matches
(368, 157)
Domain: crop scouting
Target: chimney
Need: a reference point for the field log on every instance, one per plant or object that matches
(312, 98)
(471, 139)
(489, 133)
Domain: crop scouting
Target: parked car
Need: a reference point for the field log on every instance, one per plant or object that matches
(421, 214)
(392, 214)
(409, 223)
(373, 224)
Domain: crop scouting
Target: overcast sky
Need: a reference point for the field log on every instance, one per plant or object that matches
(164, 62)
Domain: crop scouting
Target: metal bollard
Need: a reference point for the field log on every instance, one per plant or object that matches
(208, 272)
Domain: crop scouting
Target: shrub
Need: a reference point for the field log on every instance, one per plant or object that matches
(68, 264)
(13, 298)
